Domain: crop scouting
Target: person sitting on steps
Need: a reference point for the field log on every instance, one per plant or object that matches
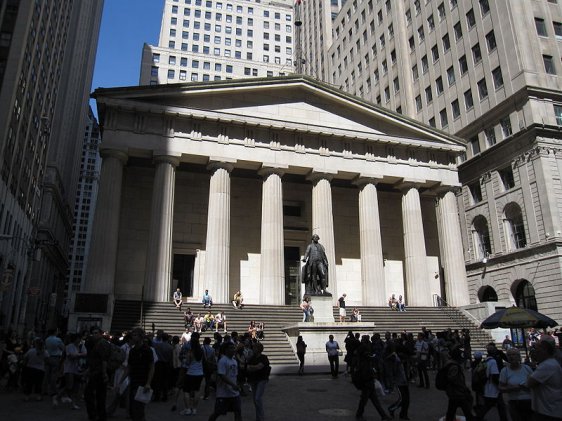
(238, 300)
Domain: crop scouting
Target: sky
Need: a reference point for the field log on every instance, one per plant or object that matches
(126, 25)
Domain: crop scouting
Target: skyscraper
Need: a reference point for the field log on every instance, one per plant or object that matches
(46, 59)
(202, 40)
(487, 72)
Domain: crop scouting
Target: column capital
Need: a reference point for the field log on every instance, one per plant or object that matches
(363, 179)
(314, 176)
(121, 155)
(222, 164)
(169, 159)
(442, 190)
(408, 184)
(267, 169)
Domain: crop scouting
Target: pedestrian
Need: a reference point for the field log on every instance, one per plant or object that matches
(546, 383)
(341, 305)
(98, 350)
(422, 356)
(305, 307)
(399, 379)
(351, 342)
(194, 375)
(75, 353)
(455, 386)
(492, 394)
(363, 377)
(162, 367)
(140, 370)
(178, 299)
(301, 351)
(513, 383)
(55, 348)
(228, 392)
(258, 375)
(333, 350)
(34, 369)
(209, 366)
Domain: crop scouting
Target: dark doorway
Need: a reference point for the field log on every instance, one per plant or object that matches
(488, 294)
(525, 296)
(292, 275)
(182, 273)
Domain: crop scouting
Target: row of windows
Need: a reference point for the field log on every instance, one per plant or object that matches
(218, 28)
(195, 48)
(195, 76)
(228, 19)
(230, 8)
(540, 25)
(196, 36)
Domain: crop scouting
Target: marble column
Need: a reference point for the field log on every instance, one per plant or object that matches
(452, 255)
(217, 254)
(417, 290)
(100, 273)
(272, 267)
(158, 268)
(372, 263)
(323, 223)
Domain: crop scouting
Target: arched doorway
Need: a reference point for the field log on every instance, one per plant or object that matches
(487, 293)
(525, 295)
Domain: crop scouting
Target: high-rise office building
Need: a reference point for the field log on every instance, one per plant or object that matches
(488, 72)
(47, 51)
(202, 40)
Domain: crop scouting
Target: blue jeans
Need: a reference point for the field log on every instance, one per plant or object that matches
(305, 316)
(258, 389)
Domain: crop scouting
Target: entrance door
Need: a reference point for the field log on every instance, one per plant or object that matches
(182, 273)
(292, 275)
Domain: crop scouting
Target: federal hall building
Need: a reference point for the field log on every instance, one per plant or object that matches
(220, 186)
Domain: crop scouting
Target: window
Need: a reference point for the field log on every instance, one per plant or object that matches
(387, 94)
(194, 77)
(195, 64)
(455, 107)
(484, 7)
(453, 3)
(415, 73)
(171, 44)
(171, 74)
(172, 32)
(183, 62)
(558, 114)
(183, 75)
(428, 95)
(421, 35)
(497, 76)
(549, 65)
(443, 117)
(172, 60)
(468, 101)
(557, 30)
(396, 84)
(154, 71)
(439, 85)
(218, 67)
(541, 27)
(435, 53)
(458, 31)
(451, 75)
(480, 232)
(425, 64)
(174, 9)
(490, 136)
(418, 103)
(475, 147)
(432, 122)
(514, 227)
(384, 67)
(382, 41)
(505, 124)
(156, 58)
(491, 41)
(463, 65)
(470, 19)
(228, 68)
(408, 16)
(431, 23)
(476, 54)
(482, 88)
(446, 43)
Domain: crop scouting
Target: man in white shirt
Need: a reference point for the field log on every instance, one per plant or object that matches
(546, 383)
(491, 390)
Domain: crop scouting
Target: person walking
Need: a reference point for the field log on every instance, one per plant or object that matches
(492, 394)
(341, 305)
(75, 352)
(98, 353)
(422, 356)
(333, 350)
(194, 375)
(258, 376)
(228, 392)
(34, 369)
(301, 351)
(399, 379)
(546, 383)
(456, 389)
(55, 348)
(513, 383)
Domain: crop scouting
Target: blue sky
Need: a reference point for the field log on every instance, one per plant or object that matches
(125, 26)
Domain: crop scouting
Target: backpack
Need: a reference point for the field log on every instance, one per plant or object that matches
(117, 357)
(479, 377)
(361, 371)
(209, 361)
(442, 378)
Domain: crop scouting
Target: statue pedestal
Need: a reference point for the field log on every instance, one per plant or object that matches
(323, 308)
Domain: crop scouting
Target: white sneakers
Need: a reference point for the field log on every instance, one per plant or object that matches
(189, 411)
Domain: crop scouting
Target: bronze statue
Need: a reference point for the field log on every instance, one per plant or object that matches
(315, 272)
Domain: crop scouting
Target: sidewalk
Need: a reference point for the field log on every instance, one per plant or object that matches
(287, 397)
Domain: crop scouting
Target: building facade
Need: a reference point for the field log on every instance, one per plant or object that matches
(489, 72)
(46, 61)
(202, 40)
(220, 186)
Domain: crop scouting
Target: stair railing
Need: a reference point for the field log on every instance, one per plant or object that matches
(452, 313)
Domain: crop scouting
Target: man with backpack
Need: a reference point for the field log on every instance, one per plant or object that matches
(450, 378)
(492, 395)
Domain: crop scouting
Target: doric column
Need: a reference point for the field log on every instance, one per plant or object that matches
(323, 222)
(272, 267)
(452, 256)
(100, 273)
(158, 269)
(217, 255)
(417, 290)
(372, 264)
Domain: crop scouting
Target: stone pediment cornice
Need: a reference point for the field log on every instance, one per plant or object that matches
(127, 106)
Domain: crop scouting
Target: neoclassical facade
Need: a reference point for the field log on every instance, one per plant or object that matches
(220, 186)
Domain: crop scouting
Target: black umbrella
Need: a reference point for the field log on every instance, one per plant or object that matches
(517, 317)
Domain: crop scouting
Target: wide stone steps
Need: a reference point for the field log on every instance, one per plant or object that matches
(127, 314)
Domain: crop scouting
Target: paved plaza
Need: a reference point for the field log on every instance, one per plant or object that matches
(288, 397)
